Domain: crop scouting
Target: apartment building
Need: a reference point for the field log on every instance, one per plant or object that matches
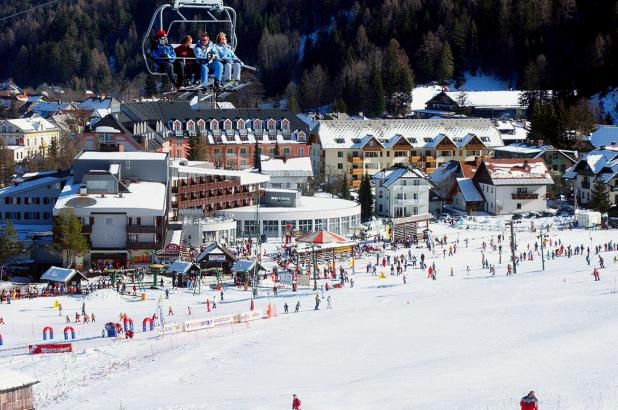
(28, 137)
(356, 147)
(599, 164)
(122, 199)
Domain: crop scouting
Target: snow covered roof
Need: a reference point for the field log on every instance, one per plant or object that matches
(601, 162)
(291, 167)
(606, 135)
(45, 108)
(246, 177)
(391, 175)
(488, 99)
(55, 274)
(419, 133)
(531, 171)
(120, 156)
(522, 149)
(11, 380)
(180, 267)
(215, 249)
(143, 199)
(28, 185)
(469, 191)
(33, 124)
(420, 96)
(95, 103)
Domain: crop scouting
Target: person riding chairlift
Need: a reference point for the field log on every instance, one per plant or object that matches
(231, 63)
(207, 56)
(164, 56)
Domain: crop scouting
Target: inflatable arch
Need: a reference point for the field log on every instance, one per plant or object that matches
(148, 321)
(128, 324)
(66, 332)
(48, 332)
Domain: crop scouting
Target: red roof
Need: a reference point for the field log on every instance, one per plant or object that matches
(322, 237)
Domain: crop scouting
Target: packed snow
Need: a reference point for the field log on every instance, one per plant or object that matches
(467, 341)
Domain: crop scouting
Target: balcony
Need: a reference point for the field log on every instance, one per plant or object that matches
(524, 195)
(143, 245)
(415, 159)
(356, 183)
(143, 229)
(357, 171)
(429, 170)
(355, 160)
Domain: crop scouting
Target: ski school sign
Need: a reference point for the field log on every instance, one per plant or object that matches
(50, 348)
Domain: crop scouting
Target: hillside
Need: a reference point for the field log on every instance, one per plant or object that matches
(358, 47)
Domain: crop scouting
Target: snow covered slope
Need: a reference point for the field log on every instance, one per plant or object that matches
(463, 342)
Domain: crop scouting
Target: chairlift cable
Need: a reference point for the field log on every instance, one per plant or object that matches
(28, 10)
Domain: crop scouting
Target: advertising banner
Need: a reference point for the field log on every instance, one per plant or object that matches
(50, 348)
(198, 324)
(285, 277)
(170, 328)
(224, 320)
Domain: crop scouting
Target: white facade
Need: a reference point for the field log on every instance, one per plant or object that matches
(311, 214)
(504, 200)
(401, 192)
(200, 231)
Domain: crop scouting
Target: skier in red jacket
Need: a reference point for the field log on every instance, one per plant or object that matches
(529, 402)
(295, 402)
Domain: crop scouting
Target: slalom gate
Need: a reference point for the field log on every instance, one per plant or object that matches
(66, 332)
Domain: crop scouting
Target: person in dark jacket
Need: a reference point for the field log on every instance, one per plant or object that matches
(529, 402)
(185, 63)
(164, 56)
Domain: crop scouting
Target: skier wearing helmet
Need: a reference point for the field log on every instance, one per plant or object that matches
(529, 402)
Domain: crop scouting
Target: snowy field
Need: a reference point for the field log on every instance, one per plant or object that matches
(470, 341)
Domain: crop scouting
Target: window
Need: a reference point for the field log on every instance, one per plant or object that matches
(522, 190)
(230, 151)
(285, 126)
(132, 237)
(340, 166)
(109, 221)
(339, 154)
(46, 201)
(340, 140)
(301, 152)
(8, 200)
(371, 154)
(287, 151)
(45, 215)
(518, 206)
(106, 138)
(227, 125)
(401, 154)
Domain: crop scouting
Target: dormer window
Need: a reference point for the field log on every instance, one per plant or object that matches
(177, 127)
(214, 126)
(241, 126)
(285, 126)
(201, 124)
(485, 139)
(302, 137)
(257, 127)
(413, 140)
(339, 140)
(427, 139)
(191, 127)
(227, 126)
(271, 126)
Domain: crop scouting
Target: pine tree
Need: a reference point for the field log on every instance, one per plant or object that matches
(150, 85)
(376, 102)
(600, 196)
(257, 158)
(7, 166)
(193, 152)
(68, 236)
(365, 198)
(276, 149)
(8, 245)
(53, 154)
(339, 106)
(447, 66)
(344, 192)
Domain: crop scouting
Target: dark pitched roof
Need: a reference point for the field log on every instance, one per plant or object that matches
(165, 111)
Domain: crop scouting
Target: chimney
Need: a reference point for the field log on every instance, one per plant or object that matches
(539, 143)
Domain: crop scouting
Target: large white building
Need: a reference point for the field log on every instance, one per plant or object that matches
(290, 173)
(356, 147)
(122, 200)
(284, 210)
(401, 192)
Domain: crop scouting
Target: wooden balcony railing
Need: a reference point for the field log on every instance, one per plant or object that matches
(524, 195)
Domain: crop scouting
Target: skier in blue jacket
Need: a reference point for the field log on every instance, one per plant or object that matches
(231, 63)
(164, 56)
(207, 56)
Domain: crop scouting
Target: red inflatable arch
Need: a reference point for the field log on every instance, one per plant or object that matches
(146, 321)
(128, 324)
(48, 332)
(66, 332)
